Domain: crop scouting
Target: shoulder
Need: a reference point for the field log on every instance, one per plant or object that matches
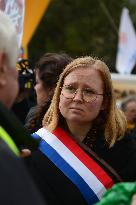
(127, 142)
(31, 113)
(125, 148)
(122, 156)
(12, 171)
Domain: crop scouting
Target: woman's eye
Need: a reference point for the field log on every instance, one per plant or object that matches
(70, 89)
(89, 92)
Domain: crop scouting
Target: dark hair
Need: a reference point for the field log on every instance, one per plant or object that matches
(48, 68)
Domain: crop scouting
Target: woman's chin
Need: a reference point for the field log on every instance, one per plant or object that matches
(76, 119)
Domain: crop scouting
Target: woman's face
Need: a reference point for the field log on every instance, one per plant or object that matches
(86, 82)
(42, 94)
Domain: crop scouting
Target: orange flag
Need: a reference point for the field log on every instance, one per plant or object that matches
(34, 11)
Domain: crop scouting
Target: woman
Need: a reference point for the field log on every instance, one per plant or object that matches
(47, 71)
(82, 138)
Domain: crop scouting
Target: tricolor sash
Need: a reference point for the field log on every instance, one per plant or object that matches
(88, 176)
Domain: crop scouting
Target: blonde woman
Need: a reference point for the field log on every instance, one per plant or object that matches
(83, 151)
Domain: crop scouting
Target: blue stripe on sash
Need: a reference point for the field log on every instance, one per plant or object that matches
(35, 136)
(86, 191)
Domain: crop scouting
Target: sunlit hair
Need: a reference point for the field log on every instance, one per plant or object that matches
(111, 119)
(8, 40)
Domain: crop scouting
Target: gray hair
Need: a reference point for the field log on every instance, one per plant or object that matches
(8, 40)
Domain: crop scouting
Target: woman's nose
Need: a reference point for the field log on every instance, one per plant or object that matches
(78, 96)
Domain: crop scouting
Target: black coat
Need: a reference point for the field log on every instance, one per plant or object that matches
(122, 156)
(57, 188)
(17, 186)
(33, 121)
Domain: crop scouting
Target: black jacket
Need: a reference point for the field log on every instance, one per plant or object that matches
(122, 156)
(17, 186)
(57, 188)
(34, 118)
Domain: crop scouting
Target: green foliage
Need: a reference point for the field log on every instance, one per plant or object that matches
(80, 27)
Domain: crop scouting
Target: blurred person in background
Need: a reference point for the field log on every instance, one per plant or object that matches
(47, 71)
(17, 186)
(83, 142)
(128, 106)
(25, 98)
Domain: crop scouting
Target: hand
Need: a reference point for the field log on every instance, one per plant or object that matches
(133, 202)
(25, 152)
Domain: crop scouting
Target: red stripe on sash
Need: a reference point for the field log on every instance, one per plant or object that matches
(98, 171)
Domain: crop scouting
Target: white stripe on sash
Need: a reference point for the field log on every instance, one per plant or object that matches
(74, 162)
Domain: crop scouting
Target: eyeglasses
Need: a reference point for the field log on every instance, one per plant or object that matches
(70, 92)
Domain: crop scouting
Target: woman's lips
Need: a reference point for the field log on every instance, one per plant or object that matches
(76, 109)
